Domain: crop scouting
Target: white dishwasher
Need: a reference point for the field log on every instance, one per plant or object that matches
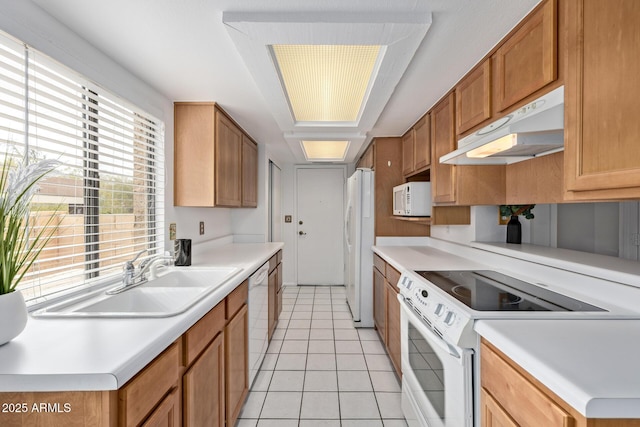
(258, 319)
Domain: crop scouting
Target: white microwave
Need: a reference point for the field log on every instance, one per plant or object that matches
(412, 199)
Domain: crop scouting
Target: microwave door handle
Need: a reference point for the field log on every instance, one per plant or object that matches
(426, 331)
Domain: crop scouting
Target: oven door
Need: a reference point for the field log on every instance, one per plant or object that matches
(437, 377)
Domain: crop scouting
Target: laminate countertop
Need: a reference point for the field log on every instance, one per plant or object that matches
(592, 364)
(58, 354)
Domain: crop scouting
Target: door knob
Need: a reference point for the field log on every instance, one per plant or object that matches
(302, 233)
(300, 222)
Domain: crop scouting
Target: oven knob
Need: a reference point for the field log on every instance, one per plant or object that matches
(439, 310)
(424, 293)
(450, 318)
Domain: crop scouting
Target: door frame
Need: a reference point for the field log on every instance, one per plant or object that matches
(342, 167)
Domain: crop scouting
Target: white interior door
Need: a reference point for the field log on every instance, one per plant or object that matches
(320, 225)
(275, 203)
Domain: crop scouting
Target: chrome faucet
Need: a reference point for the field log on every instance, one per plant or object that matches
(132, 278)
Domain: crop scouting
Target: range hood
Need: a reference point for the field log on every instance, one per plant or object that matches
(533, 130)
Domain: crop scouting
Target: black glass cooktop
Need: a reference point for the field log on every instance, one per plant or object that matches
(486, 290)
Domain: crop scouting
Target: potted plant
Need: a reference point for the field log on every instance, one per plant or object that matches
(18, 247)
(514, 229)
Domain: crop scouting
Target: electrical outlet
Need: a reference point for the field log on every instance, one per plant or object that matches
(201, 228)
(172, 231)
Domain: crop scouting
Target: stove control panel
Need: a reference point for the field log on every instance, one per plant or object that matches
(441, 314)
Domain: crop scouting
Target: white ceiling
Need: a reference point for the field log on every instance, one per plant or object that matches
(183, 49)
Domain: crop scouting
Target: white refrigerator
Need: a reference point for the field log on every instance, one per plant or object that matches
(359, 238)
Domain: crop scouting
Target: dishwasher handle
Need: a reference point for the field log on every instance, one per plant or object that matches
(258, 277)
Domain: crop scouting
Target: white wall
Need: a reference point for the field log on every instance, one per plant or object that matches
(27, 22)
(289, 229)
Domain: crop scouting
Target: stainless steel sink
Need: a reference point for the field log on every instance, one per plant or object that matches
(173, 292)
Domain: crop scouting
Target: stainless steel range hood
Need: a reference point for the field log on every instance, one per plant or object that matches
(533, 130)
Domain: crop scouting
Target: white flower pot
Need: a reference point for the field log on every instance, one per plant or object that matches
(13, 316)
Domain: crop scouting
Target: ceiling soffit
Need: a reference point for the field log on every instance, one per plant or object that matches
(399, 35)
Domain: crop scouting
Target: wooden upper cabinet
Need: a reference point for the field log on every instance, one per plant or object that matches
(602, 152)
(209, 167)
(443, 181)
(473, 98)
(368, 157)
(416, 147)
(249, 173)
(528, 60)
(422, 143)
(227, 162)
(408, 152)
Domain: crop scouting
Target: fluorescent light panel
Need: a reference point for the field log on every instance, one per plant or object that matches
(325, 151)
(326, 83)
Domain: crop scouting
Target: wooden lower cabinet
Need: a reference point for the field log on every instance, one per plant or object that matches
(510, 396)
(393, 327)
(379, 296)
(138, 398)
(237, 364)
(274, 291)
(167, 414)
(386, 309)
(492, 413)
(203, 388)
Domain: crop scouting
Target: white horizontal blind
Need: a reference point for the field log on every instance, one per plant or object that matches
(107, 195)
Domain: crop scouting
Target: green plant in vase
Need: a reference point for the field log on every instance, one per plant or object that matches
(19, 248)
(514, 229)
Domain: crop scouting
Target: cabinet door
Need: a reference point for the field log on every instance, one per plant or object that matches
(203, 388)
(492, 413)
(408, 154)
(167, 414)
(473, 98)
(236, 364)
(142, 393)
(228, 161)
(194, 135)
(602, 104)
(279, 293)
(528, 60)
(249, 173)
(443, 180)
(393, 326)
(422, 143)
(272, 294)
(378, 303)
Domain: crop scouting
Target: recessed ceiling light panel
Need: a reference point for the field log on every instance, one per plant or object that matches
(325, 151)
(326, 83)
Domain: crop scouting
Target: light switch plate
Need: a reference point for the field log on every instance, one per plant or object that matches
(201, 228)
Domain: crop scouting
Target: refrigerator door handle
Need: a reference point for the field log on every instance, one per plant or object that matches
(347, 226)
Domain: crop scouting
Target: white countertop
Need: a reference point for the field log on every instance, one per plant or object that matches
(103, 354)
(591, 364)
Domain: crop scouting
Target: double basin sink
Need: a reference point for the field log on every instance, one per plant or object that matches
(170, 294)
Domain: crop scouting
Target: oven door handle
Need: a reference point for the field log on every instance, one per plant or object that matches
(425, 330)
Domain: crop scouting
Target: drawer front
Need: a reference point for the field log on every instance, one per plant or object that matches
(273, 262)
(393, 276)
(140, 395)
(279, 257)
(521, 399)
(203, 332)
(237, 298)
(379, 263)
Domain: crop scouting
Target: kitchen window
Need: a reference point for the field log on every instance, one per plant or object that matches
(106, 196)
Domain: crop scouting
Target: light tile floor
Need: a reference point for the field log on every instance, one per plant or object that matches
(320, 371)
